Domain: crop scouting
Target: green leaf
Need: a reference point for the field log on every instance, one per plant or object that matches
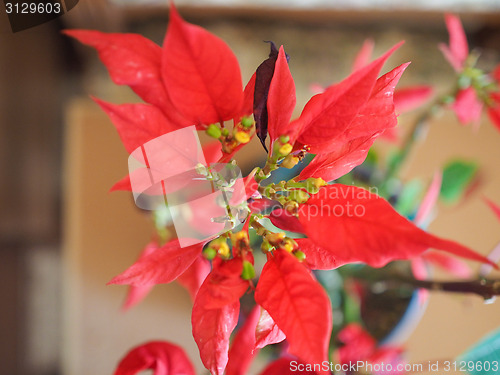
(484, 356)
(457, 175)
(409, 197)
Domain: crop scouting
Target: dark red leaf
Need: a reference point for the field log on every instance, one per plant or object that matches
(162, 357)
(201, 73)
(161, 266)
(281, 100)
(215, 313)
(242, 348)
(263, 77)
(348, 224)
(298, 304)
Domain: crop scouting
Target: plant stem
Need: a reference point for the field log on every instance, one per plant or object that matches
(484, 288)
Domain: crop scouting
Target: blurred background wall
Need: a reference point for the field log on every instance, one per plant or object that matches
(62, 236)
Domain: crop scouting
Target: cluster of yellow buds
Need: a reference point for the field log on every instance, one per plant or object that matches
(219, 247)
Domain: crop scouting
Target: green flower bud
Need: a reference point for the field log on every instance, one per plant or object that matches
(246, 122)
(248, 272)
(299, 196)
(214, 131)
(209, 253)
(299, 255)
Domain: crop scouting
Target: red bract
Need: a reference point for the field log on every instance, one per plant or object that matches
(267, 331)
(360, 346)
(346, 224)
(326, 118)
(298, 305)
(215, 313)
(162, 266)
(494, 207)
(201, 73)
(194, 276)
(137, 293)
(494, 99)
(458, 50)
(137, 123)
(281, 99)
(242, 348)
(467, 106)
(193, 79)
(162, 357)
(374, 117)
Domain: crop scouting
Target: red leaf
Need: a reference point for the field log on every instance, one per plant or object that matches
(267, 331)
(375, 117)
(194, 276)
(339, 162)
(136, 123)
(328, 115)
(160, 267)
(248, 94)
(358, 344)
(458, 50)
(467, 106)
(350, 224)
(201, 73)
(215, 313)
(446, 262)
(298, 304)
(494, 111)
(286, 221)
(429, 201)
(122, 185)
(212, 152)
(281, 98)
(135, 61)
(408, 98)
(224, 284)
(242, 351)
(137, 293)
(494, 207)
(162, 357)
(364, 55)
(287, 366)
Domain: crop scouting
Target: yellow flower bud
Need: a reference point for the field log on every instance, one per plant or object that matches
(289, 162)
(285, 149)
(223, 250)
(242, 137)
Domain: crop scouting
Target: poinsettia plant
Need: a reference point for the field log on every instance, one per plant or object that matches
(251, 235)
